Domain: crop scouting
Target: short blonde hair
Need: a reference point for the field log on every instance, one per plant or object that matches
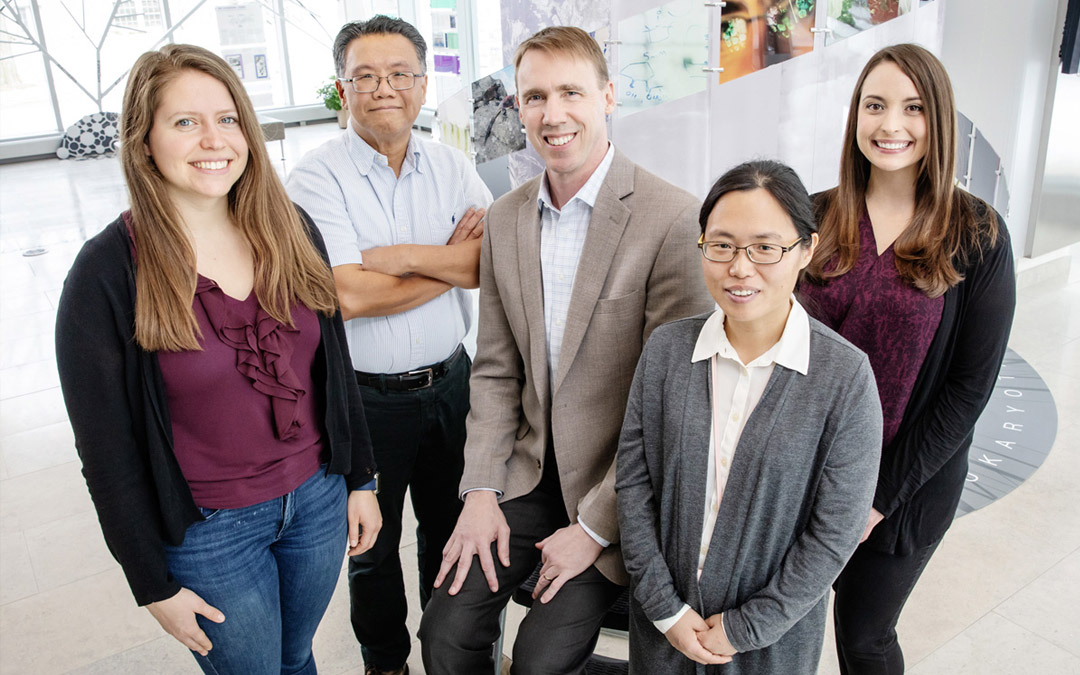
(568, 40)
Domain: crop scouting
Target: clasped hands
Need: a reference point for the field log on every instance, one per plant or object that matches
(701, 640)
(564, 554)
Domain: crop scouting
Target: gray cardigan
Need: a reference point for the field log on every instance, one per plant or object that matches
(796, 502)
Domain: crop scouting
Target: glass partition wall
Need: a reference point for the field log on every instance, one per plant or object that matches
(63, 59)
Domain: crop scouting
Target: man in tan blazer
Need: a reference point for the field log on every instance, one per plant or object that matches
(577, 268)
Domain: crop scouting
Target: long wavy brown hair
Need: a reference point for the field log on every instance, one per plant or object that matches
(288, 267)
(946, 227)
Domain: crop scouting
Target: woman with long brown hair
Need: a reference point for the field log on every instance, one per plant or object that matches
(203, 364)
(919, 275)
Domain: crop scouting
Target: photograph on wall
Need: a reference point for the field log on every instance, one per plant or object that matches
(661, 55)
(236, 62)
(756, 35)
(261, 71)
(496, 126)
(522, 19)
(452, 121)
(240, 24)
(447, 63)
(848, 17)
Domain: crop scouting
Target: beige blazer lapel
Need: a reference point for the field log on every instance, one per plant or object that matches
(532, 292)
(609, 218)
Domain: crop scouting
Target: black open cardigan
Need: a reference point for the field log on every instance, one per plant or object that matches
(116, 402)
(924, 467)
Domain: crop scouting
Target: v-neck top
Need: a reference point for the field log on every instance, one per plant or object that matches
(883, 315)
(246, 425)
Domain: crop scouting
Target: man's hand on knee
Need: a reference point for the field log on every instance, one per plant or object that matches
(480, 523)
(566, 553)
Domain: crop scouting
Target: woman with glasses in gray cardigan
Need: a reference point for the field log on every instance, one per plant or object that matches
(749, 451)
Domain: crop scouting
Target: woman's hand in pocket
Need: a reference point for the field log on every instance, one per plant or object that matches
(177, 616)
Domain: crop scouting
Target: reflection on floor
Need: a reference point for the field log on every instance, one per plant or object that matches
(1000, 596)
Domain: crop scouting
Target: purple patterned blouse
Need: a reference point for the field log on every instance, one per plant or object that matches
(246, 427)
(879, 313)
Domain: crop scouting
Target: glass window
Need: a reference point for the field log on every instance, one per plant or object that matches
(246, 35)
(25, 105)
(91, 57)
(437, 21)
(489, 46)
(281, 49)
(310, 29)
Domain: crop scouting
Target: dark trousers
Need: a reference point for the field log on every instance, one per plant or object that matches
(456, 633)
(418, 439)
(870, 594)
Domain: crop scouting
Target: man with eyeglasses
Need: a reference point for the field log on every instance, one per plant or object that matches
(402, 218)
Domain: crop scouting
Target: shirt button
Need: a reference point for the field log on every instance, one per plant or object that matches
(419, 341)
(538, 466)
(562, 277)
(723, 462)
(558, 322)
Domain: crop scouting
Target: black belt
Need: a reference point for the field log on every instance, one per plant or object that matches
(411, 380)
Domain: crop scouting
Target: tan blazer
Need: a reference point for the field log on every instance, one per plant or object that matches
(640, 267)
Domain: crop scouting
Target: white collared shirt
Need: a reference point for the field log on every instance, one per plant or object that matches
(738, 389)
(562, 237)
(358, 203)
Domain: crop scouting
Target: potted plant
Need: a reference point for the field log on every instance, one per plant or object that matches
(329, 95)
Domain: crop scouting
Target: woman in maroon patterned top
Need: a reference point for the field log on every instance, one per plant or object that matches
(203, 363)
(919, 275)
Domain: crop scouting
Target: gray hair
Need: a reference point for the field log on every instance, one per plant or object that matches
(380, 24)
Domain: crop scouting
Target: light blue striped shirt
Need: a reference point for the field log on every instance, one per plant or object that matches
(562, 236)
(358, 203)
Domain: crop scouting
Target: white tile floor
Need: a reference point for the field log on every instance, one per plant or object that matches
(1000, 596)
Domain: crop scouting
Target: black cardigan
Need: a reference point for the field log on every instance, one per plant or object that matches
(923, 469)
(116, 402)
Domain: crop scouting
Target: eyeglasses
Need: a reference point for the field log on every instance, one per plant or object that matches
(759, 254)
(366, 84)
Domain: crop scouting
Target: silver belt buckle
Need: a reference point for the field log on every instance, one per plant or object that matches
(424, 371)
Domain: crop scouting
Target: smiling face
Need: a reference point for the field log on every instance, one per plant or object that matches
(196, 141)
(891, 131)
(563, 109)
(385, 116)
(753, 296)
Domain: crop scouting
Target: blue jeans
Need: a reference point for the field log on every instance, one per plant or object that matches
(271, 569)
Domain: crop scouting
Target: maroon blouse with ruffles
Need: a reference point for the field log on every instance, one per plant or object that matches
(246, 426)
(874, 309)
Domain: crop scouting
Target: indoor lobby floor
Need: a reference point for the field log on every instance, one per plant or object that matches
(1000, 596)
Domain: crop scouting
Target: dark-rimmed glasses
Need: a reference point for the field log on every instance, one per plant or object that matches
(366, 84)
(759, 254)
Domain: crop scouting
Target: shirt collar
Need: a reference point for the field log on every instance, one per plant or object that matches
(366, 156)
(792, 350)
(588, 192)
